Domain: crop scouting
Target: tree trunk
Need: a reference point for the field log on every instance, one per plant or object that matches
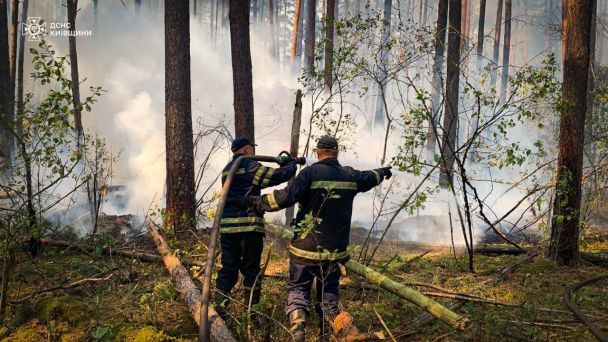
(72, 6)
(241, 69)
(300, 39)
(329, 44)
(296, 30)
(506, 53)
(599, 54)
(180, 211)
(481, 34)
(497, 28)
(425, 8)
(95, 13)
(295, 143)
(272, 28)
(564, 4)
(450, 118)
(186, 288)
(589, 120)
(465, 23)
(379, 113)
(5, 95)
(211, 18)
(440, 31)
(13, 48)
(277, 36)
(7, 266)
(310, 33)
(225, 12)
(563, 248)
(20, 59)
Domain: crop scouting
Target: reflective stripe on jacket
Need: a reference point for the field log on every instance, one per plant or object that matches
(325, 193)
(249, 179)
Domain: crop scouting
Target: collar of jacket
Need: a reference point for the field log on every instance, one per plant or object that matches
(329, 161)
(234, 156)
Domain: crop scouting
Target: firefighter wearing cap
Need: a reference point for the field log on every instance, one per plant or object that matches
(242, 228)
(325, 193)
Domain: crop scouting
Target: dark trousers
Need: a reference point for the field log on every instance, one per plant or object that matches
(301, 276)
(240, 252)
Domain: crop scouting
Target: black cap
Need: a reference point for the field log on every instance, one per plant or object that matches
(239, 143)
(327, 143)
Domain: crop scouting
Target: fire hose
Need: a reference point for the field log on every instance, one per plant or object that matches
(204, 326)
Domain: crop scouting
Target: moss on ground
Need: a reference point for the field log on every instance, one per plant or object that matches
(64, 308)
(140, 303)
(145, 334)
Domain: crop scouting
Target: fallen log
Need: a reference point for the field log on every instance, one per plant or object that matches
(577, 311)
(497, 249)
(188, 292)
(142, 256)
(600, 259)
(437, 310)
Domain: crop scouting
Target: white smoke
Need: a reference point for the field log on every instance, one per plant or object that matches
(125, 56)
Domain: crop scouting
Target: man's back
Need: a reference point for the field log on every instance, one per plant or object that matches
(325, 193)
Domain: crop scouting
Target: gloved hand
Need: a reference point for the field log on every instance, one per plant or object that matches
(283, 160)
(386, 171)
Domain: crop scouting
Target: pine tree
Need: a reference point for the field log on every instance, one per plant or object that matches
(452, 88)
(180, 210)
(565, 228)
(242, 78)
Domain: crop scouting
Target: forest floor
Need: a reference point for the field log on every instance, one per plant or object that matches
(136, 301)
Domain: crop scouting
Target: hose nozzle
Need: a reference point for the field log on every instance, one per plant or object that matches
(298, 160)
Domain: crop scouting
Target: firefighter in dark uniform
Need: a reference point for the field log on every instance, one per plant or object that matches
(325, 193)
(242, 228)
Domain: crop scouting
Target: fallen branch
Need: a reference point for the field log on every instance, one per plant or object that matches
(64, 287)
(413, 259)
(441, 289)
(498, 249)
(385, 326)
(188, 292)
(508, 269)
(576, 310)
(89, 249)
(439, 311)
(541, 324)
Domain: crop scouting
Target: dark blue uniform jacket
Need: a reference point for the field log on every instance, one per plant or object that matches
(325, 193)
(249, 179)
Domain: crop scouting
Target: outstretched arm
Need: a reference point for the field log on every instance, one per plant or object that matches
(369, 179)
(279, 199)
(265, 176)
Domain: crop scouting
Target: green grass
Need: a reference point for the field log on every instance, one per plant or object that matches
(140, 303)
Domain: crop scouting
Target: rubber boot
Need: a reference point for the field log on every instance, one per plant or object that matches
(298, 325)
(221, 301)
(256, 319)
